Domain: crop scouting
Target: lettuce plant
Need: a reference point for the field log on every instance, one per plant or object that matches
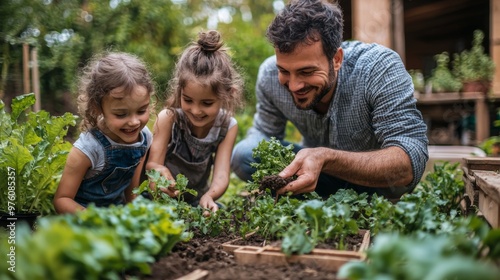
(33, 155)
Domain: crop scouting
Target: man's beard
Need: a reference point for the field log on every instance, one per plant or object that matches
(323, 92)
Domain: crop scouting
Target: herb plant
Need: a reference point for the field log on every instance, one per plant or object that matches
(271, 158)
(474, 64)
(160, 182)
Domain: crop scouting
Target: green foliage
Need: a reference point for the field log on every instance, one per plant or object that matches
(297, 240)
(487, 144)
(393, 256)
(98, 243)
(67, 33)
(418, 80)
(34, 153)
(323, 221)
(272, 157)
(442, 78)
(474, 64)
(160, 182)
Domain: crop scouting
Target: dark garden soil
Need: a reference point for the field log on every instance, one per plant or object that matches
(207, 254)
(274, 182)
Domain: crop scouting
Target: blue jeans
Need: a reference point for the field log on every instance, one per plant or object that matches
(327, 185)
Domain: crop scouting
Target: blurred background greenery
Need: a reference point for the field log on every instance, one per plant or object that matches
(67, 33)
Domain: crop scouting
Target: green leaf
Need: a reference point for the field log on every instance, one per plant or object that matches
(20, 104)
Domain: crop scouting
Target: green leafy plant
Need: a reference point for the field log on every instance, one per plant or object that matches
(272, 157)
(160, 182)
(442, 79)
(418, 80)
(33, 155)
(98, 243)
(394, 256)
(474, 64)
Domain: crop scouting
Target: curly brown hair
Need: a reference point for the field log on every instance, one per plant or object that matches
(105, 72)
(306, 22)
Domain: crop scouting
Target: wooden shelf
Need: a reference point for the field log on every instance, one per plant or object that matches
(449, 97)
(449, 108)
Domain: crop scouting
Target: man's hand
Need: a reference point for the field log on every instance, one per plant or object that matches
(307, 166)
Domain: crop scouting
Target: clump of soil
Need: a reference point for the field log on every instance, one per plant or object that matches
(274, 182)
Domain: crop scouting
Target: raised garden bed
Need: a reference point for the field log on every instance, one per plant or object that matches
(329, 259)
(482, 188)
(251, 250)
(204, 258)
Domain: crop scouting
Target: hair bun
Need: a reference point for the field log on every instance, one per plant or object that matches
(210, 41)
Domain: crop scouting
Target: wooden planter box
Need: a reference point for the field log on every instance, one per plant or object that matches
(230, 246)
(482, 188)
(327, 259)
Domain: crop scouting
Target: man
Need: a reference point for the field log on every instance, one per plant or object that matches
(352, 102)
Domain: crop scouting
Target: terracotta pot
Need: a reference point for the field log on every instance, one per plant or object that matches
(476, 86)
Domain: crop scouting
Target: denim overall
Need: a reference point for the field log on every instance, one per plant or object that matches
(191, 156)
(108, 186)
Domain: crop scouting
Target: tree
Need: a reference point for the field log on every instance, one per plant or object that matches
(67, 33)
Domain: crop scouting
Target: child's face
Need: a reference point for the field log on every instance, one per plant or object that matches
(200, 104)
(125, 115)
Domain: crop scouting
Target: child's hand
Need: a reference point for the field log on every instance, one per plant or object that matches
(207, 202)
(170, 191)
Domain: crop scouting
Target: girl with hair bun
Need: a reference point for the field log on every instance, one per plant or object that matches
(194, 134)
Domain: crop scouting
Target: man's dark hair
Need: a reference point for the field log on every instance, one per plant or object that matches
(306, 22)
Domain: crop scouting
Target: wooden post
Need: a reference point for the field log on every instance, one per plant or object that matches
(482, 119)
(35, 79)
(26, 71)
(372, 21)
(399, 29)
(495, 43)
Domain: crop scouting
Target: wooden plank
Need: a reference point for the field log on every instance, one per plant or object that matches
(468, 176)
(195, 275)
(490, 209)
(482, 163)
(489, 183)
(230, 246)
(331, 261)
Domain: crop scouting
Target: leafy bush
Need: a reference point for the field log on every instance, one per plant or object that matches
(34, 152)
(98, 243)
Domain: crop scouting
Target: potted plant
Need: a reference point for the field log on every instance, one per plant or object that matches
(473, 67)
(418, 80)
(442, 79)
(32, 156)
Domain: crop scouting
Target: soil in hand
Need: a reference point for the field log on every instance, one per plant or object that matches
(274, 182)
